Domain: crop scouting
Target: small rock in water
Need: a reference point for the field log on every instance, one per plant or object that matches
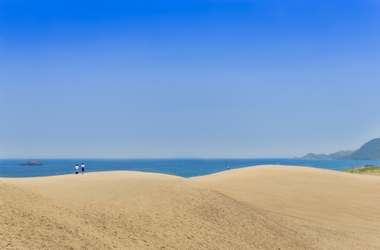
(33, 163)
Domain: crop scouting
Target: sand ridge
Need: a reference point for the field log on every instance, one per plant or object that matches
(261, 207)
(334, 210)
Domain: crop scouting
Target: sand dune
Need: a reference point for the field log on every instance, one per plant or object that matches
(329, 209)
(262, 207)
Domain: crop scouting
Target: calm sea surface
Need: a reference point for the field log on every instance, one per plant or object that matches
(180, 167)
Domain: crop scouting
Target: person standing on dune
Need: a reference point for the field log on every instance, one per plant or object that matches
(76, 169)
(82, 168)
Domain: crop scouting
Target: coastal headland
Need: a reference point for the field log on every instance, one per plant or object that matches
(261, 207)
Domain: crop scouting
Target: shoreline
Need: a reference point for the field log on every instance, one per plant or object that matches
(105, 171)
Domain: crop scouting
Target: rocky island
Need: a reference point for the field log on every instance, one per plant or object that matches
(32, 163)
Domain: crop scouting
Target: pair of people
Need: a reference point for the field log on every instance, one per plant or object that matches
(77, 169)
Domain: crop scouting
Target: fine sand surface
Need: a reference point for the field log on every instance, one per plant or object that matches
(261, 207)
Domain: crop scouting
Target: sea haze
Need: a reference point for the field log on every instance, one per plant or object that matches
(179, 167)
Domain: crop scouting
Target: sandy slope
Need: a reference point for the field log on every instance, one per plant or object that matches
(264, 207)
(332, 210)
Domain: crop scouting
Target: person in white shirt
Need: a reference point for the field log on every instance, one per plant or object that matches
(82, 168)
(76, 169)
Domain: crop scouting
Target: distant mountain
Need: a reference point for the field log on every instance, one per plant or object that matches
(334, 156)
(369, 151)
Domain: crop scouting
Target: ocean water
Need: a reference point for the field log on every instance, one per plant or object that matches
(179, 167)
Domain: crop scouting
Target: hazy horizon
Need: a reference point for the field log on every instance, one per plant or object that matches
(187, 79)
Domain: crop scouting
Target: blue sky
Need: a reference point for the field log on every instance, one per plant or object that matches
(208, 79)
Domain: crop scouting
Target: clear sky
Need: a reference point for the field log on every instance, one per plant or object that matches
(183, 79)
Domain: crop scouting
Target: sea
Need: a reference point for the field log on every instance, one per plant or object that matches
(180, 167)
